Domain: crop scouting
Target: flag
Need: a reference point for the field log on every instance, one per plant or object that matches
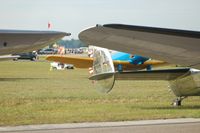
(49, 25)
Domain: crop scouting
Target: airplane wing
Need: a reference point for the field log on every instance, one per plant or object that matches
(86, 62)
(170, 45)
(165, 74)
(18, 41)
(78, 62)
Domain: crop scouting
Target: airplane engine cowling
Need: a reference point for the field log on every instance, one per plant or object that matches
(187, 85)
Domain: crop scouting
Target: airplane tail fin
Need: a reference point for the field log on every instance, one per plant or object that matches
(103, 70)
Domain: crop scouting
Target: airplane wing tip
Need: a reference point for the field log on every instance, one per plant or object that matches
(64, 33)
(59, 33)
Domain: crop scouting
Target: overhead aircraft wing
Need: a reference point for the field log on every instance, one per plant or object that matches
(170, 45)
(18, 41)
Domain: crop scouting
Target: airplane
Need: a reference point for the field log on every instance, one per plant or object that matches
(121, 62)
(171, 45)
(18, 41)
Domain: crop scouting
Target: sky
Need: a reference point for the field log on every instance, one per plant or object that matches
(74, 16)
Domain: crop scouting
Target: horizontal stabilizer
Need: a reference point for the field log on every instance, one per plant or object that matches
(101, 76)
(168, 74)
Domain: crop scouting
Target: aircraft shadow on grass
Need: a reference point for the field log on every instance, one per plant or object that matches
(185, 107)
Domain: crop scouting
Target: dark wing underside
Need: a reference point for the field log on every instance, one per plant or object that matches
(18, 41)
(170, 45)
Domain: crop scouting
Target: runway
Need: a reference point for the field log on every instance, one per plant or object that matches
(145, 126)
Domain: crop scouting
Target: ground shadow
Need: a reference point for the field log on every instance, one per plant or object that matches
(172, 107)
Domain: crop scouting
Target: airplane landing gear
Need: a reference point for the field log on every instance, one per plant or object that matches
(177, 101)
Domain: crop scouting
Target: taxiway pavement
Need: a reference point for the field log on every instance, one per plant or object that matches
(188, 125)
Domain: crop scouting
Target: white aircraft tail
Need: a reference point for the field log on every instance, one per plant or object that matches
(103, 70)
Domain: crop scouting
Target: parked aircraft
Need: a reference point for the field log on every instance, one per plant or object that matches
(105, 62)
(18, 41)
(170, 45)
(122, 61)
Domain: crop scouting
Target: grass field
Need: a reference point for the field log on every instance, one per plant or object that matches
(31, 94)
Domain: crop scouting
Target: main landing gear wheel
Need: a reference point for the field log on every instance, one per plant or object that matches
(177, 101)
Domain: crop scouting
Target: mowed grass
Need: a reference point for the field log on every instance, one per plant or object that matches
(32, 94)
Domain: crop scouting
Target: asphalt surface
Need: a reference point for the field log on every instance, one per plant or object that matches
(188, 125)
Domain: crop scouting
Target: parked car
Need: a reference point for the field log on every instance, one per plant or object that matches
(61, 66)
(47, 51)
(27, 56)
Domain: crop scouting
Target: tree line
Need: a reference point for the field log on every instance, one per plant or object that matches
(73, 43)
